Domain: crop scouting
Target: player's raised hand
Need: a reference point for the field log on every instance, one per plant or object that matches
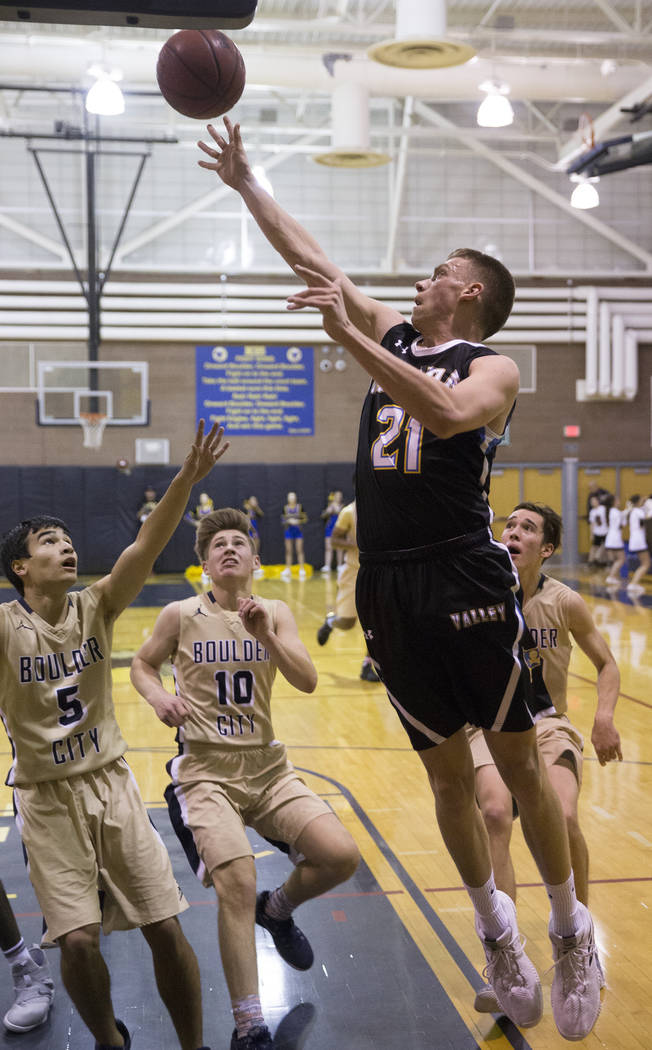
(326, 296)
(204, 452)
(228, 156)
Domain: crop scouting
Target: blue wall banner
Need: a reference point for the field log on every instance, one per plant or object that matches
(257, 389)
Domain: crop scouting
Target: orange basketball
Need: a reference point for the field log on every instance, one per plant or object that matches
(201, 73)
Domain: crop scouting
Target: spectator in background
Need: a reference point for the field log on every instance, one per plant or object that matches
(293, 518)
(329, 515)
(614, 545)
(638, 544)
(599, 528)
(148, 505)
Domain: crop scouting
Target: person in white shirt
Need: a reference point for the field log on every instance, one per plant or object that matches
(638, 544)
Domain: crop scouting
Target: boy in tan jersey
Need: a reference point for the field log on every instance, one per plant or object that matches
(554, 614)
(79, 811)
(345, 616)
(231, 772)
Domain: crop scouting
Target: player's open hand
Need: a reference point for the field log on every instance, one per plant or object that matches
(325, 295)
(204, 452)
(255, 618)
(228, 155)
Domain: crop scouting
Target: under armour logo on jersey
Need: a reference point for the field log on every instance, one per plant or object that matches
(399, 346)
(27, 626)
(199, 611)
(369, 635)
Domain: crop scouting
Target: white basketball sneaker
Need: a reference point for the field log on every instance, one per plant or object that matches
(286, 574)
(578, 979)
(510, 973)
(33, 990)
(486, 1001)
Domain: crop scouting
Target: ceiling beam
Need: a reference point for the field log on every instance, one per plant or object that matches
(500, 161)
(200, 204)
(32, 235)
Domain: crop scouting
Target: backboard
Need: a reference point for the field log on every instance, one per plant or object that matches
(170, 14)
(117, 389)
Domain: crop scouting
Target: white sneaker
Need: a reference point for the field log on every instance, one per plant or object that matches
(325, 568)
(286, 574)
(486, 1002)
(259, 573)
(34, 992)
(510, 973)
(302, 574)
(575, 993)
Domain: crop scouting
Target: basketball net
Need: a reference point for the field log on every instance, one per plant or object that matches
(92, 424)
(586, 130)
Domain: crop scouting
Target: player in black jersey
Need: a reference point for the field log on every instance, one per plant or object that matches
(435, 592)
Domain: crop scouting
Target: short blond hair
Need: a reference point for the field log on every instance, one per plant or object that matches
(218, 521)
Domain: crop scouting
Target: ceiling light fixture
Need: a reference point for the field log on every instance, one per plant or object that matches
(585, 195)
(495, 111)
(104, 97)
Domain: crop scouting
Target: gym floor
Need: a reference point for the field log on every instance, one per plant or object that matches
(396, 955)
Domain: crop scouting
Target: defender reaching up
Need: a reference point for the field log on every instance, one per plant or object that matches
(79, 812)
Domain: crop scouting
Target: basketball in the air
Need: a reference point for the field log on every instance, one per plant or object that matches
(200, 73)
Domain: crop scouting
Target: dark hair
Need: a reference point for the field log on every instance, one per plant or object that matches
(14, 543)
(217, 521)
(552, 524)
(497, 299)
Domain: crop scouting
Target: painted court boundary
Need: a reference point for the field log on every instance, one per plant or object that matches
(464, 964)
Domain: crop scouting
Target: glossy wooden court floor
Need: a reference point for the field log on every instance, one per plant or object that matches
(397, 957)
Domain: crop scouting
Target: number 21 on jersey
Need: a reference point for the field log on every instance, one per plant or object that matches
(398, 447)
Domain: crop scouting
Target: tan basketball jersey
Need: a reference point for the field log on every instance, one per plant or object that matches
(346, 521)
(225, 674)
(55, 690)
(546, 614)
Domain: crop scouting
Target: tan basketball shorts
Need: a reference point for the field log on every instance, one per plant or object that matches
(345, 599)
(256, 787)
(91, 832)
(556, 736)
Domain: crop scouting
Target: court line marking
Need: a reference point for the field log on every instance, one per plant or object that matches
(461, 960)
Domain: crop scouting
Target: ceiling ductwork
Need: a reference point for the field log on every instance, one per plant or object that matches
(420, 41)
(350, 123)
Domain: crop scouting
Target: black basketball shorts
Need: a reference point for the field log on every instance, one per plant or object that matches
(447, 635)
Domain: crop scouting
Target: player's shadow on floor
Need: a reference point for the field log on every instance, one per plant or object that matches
(293, 1030)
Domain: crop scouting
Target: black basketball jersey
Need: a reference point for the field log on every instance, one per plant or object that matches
(413, 488)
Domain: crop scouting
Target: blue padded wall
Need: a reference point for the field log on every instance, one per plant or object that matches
(100, 505)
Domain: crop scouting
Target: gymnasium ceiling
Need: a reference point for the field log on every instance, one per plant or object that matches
(563, 59)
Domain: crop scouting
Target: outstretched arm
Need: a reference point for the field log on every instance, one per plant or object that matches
(284, 645)
(294, 243)
(145, 668)
(134, 565)
(604, 735)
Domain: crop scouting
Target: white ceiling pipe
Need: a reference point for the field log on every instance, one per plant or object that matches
(415, 19)
(591, 360)
(545, 79)
(617, 355)
(604, 350)
(631, 364)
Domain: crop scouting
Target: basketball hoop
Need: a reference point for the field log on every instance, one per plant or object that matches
(92, 424)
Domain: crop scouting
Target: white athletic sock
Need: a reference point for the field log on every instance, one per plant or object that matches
(247, 1014)
(489, 908)
(278, 905)
(565, 918)
(18, 954)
